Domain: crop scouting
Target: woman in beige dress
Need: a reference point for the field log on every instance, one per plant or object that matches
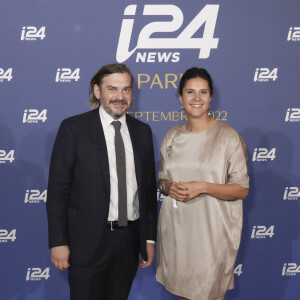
(203, 172)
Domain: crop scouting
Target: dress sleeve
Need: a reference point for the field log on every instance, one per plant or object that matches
(237, 170)
(163, 174)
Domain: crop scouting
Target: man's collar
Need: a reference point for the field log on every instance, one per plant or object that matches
(106, 118)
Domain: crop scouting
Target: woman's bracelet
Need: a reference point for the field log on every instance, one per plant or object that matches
(162, 187)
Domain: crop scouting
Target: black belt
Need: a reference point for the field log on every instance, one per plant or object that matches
(112, 225)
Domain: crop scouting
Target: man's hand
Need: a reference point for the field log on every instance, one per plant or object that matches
(60, 257)
(150, 255)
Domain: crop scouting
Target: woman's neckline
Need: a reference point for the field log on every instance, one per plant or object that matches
(202, 131)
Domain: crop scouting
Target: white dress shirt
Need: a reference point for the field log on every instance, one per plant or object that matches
(131, 183)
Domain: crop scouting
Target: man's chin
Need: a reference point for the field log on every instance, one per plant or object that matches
(117, 114)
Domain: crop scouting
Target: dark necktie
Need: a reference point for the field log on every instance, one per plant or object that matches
(121, 172)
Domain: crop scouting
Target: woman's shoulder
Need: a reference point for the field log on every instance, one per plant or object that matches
(227, 129)
(170, 137)
(173, 132)
(232, 137)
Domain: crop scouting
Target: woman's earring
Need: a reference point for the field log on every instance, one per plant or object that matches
(181, 111)
(210, 114)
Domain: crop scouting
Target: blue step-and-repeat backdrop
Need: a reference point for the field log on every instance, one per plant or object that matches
(49, 52)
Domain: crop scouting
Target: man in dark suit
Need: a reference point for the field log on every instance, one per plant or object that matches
(101, 203)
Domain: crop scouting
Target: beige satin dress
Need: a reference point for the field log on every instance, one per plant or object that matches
(198, 240)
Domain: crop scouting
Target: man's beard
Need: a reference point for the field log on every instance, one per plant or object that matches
(112, 113)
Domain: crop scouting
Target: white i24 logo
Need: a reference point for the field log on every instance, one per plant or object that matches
(35, 196)
(291, 193)
(264, 74)
(37, 274)
(292, 115)
(185, 40)
(263, 154)
(66, 75)
(294, 34)
(31, 33)
(261, 232)
(4, 157)
(6, 236)
(34, 116)
(290, 269)
(238, 270)
(160, 196)
(6, 75)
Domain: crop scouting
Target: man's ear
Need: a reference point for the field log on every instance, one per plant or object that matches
(97, 91)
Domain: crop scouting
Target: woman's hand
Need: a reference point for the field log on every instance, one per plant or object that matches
(224, 192)
(177, 190)
(194, 188)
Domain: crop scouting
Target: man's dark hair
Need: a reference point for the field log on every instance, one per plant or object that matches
(98, 79)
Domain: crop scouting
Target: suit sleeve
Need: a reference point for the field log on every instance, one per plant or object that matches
(152, 193)
(59, 185)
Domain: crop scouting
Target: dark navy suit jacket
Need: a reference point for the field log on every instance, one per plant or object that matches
(79, 186)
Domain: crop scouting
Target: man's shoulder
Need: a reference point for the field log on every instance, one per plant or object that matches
(80, 118)
(137, 123)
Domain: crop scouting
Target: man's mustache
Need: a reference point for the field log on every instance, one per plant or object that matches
(118, 101)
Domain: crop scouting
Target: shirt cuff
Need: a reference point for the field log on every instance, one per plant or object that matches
(150, 242)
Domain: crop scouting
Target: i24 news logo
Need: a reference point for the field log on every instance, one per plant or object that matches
(264, 74)
(31, 33)
(34, 116)
(292, 115)
(36, 274)
(35, 196)
(207, 17)
(6, 75)
(6, 236)
(263, 154)
(294, 34)
(66, 75)
(238, 270)
(290, 269)
(291, 193)
(160, 196)
(7, 156)
(261, 232)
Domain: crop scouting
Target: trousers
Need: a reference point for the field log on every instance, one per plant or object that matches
(111, 275)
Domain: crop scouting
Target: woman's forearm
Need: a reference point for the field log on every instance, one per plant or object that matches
(223, 191)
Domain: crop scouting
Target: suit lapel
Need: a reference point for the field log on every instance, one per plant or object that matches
(99, 140)
(137, 149)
